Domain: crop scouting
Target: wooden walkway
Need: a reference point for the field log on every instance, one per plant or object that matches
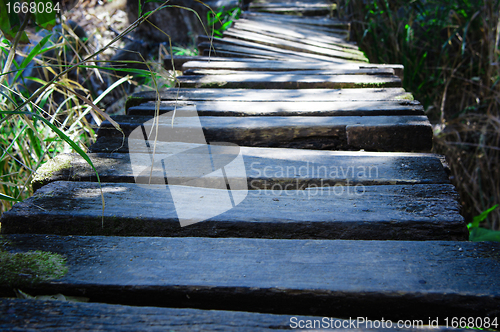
(325, 200)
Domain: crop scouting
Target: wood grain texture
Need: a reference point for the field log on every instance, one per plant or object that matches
(236, 45)
(33, 315)
(381, 133)
(284, 108)
(347, 71)
(290, 80)
(264, 167)
(390, 279)
(389, 212)
(315, 21)
(292, 45)
(272, 95)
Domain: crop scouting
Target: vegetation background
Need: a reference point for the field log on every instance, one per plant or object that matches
(450, 51)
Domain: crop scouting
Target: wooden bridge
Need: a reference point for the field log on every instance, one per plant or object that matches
(337, 207)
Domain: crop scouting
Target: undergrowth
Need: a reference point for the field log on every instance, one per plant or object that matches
(48, 104)
(450, 50)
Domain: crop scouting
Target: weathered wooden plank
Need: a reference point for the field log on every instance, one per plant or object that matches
(278, 50)
(239, 30)
(36, 315)
(276, 65)
(285, 108)
(375, 133)
(310, 10)
(374, 279)
(289, 80)
(294, 45)
(316, 21)
(306, 28)
(271, 95)
(242, 54)
(241, 46)
(332, 71)
(387, 212)
(264, 167)
(296, 33)
(180, 60)
(336, 38)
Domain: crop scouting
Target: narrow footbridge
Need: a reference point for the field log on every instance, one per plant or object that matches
(286, 182)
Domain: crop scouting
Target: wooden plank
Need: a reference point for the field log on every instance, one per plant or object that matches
(375, 133)
(240, 29)
(390, 279)
(59, 316)
(36, 315)
(266, 47)
(296, 33)
(316, 29)
(291, 80)
(277, 65)
(264, 167)
(337, 37)
(241, 54)
(255, 49)
(297, 46)
(180, 60)
(332, 71)
(388, 212)
(294, 10)
(271, 95)
(316, 21)
(285, 108)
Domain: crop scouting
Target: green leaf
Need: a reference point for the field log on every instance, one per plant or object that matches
(478, 219)
(34, 52)
(9, 22)
(8, 198)
(45, 18)
(482, 234)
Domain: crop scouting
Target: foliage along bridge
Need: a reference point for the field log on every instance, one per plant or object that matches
(345, 212)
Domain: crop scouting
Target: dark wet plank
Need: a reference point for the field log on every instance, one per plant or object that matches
(31, 315)
(264, 167)
(375, 133)
(285, 108)
(388, 212)
(36, 315)
(272, 95)
(375, 279)
(290, 80)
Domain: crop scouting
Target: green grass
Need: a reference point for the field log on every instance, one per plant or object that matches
(451, 58)
(43, 116)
